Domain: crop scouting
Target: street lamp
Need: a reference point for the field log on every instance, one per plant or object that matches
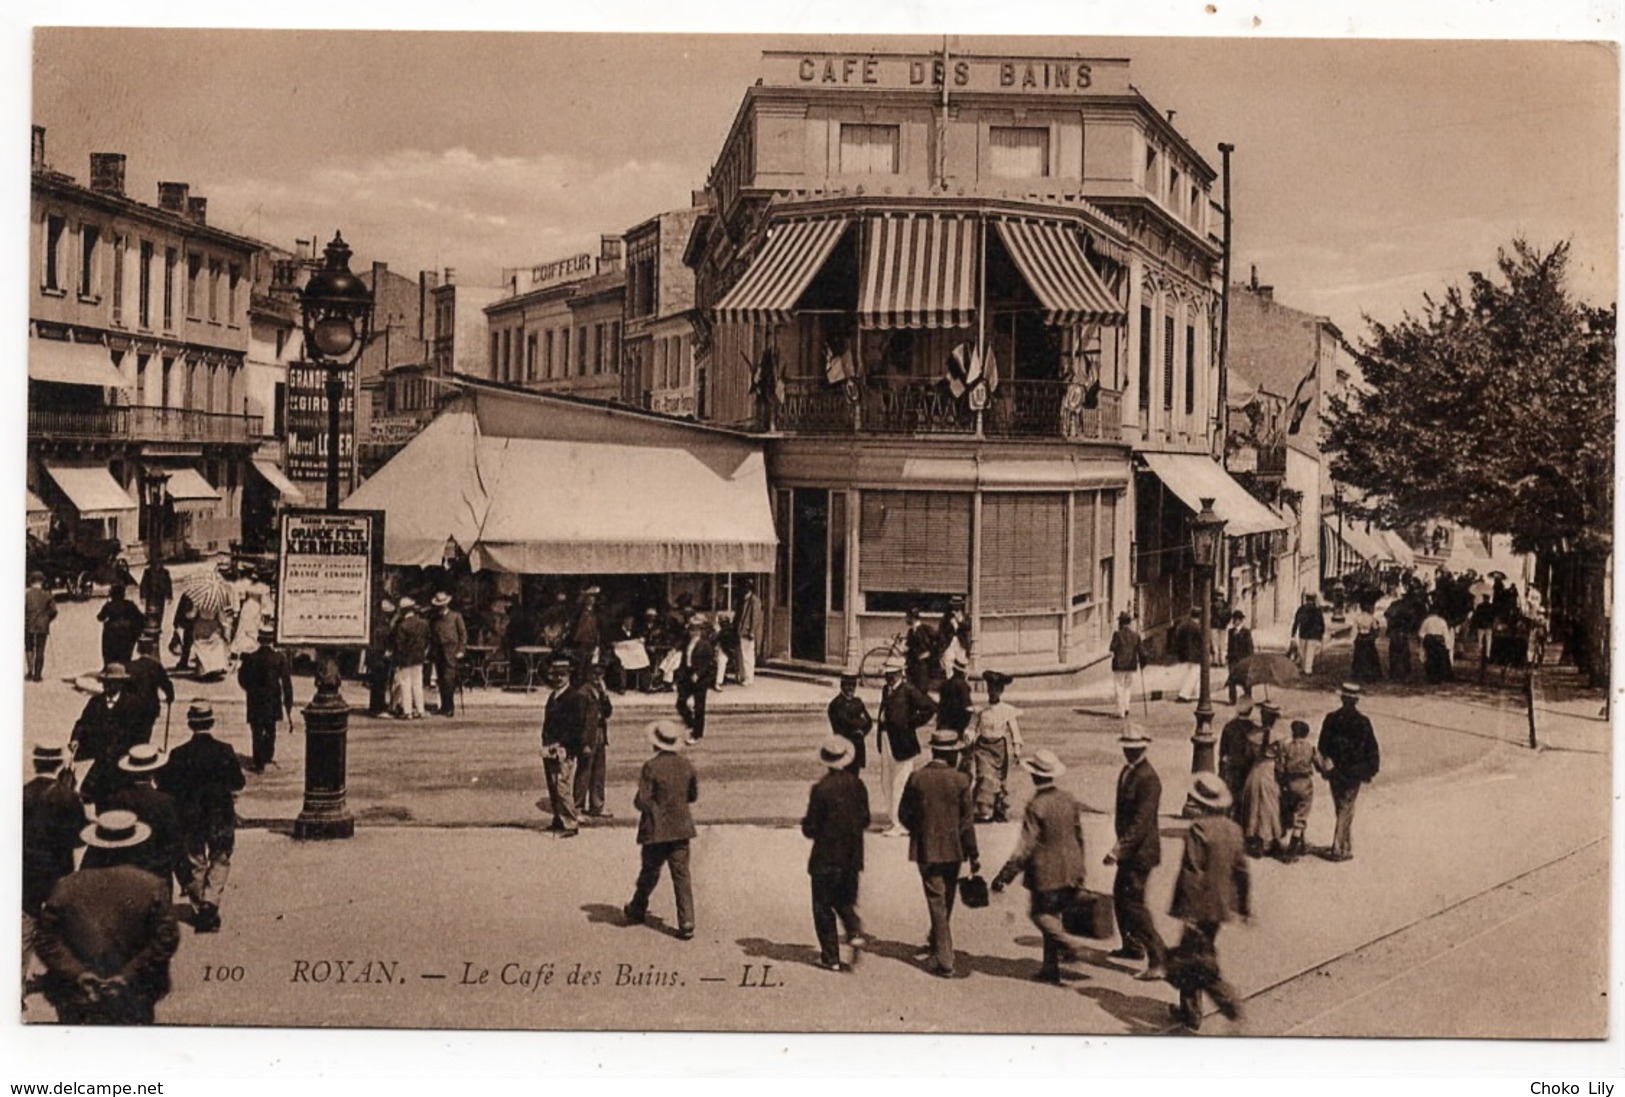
(1207, 535)
(336, 314)
(154, 481)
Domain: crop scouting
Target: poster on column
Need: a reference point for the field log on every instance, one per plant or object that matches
(329, 565)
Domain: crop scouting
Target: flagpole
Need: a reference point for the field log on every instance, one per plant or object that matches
(981, 313)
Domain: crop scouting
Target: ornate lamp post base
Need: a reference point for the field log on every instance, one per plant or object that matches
(327, 730)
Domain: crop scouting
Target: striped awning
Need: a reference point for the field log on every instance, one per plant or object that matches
(794, 253)
(1051, 259)
(919, 271)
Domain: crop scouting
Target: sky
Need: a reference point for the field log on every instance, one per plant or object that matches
(1366, 173)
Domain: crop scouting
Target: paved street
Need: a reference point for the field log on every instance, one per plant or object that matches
(1465, 842)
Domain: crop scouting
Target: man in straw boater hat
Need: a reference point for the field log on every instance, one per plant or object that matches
(666, 788)
(1348, 747)
(52, 819)
(1128, 656)
(164, 854)
(837, 815)
(849, 718)
(955, 708)
(564, 735)
(106, 935)
(448, 643)
(1137, 851)
(203, 776)
(267, 682)
(696, 676)
(940, 818)
(107, 726)
(904, 709)
(1212, 886)
(1050, 858)
(149, 684)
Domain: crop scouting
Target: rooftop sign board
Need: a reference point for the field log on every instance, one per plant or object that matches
(1060, 76)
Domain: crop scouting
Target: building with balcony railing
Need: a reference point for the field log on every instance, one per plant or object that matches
(957, 295)
(138, 334)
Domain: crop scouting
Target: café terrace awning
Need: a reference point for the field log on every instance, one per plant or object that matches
(794, 254)
(659, 499)
(919, 271)
(188, 490)
(284, 486)
(72, 364)
(1052, 260)
(38, 514)
(1194, 477)
(91, 489)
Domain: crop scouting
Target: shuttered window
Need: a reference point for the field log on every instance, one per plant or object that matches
(915, 541)
(1083, 545)
(1168, 363)
(1145, 359)
(1023, 552)
(1106, 547)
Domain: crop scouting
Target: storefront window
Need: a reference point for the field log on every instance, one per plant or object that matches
(915, 549)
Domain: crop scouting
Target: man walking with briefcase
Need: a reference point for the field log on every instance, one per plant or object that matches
(938, 812)
(1049, 856)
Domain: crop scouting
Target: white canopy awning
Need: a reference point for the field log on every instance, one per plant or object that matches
(275, 477)
(1194, 477)
(91, 489)
(73, 364)
(188, 490)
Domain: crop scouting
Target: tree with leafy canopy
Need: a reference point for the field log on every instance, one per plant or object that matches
(1494, 409)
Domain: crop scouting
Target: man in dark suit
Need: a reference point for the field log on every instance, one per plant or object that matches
(666, 788)
(1187, 641)
(122, 622)
(157, 588)
(1213, 885)
(267, 683)
(939, 813)
(919, 648)
(1234, 757)
(837, 815)
(1050, 858)
(592, 767)
(904, 710)
(106, 935)
(564, 734)
(1128, 656)
(164, 853)
(39, 610)
(1349, 746)
(955, 708)
(149, 682)
(203, 775)
(1238, 645)
(696, 676)
(107, 727)
(1137, 852)
(52, 818)
(849, 718)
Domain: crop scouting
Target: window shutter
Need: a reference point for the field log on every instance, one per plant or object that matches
(1023, 551)
(1083, 543)
(915, 540)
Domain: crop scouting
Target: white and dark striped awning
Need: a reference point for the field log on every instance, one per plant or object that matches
(1051, 258)
(794, 254)
(919, 271)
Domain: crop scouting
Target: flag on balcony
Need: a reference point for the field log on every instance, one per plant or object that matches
(766, 381)
(838, 367)
(963, 371)
(1302, 397)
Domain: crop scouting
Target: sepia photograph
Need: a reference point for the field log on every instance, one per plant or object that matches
(929, 533)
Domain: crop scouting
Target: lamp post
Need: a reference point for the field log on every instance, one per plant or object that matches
(336, 314)
(154, 481)
(1207, 534)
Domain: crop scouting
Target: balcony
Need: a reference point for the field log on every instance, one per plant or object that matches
(144, 424)
(1019, 409)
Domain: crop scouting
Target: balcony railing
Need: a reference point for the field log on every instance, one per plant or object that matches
(1019, 409)
(143, 424)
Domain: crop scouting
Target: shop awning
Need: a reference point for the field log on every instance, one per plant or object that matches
(72, 364)
(1194, 477)
(1366, 543)
(284, 486)
(91, 489)
(1403, 554)
(794, 254)
(552, 506)
(1051, 259)
(38, 519)
(919, 271)
(188, 490)
(36, 505)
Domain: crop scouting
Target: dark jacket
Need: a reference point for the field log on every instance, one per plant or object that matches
(1238, 644)
(698, 670)
(1213, 880)
(849, 718)
(919, 645)
(267, 684)
(1309, 623)
(1349, 745)
(108, 921)
(1139, 797)
(954, 706)
(122, 622)
(1233, 755)
(156, 585)
(666, 786)
(1049, 853)
(163, 854)
(107, 731)
(201, 774)
(904, 709)
(597, 709)
(1187, 642)
(39, 610)
(53, 816)
(409, 641)
(149, 681)
(837, 815)
(448, 635)
(565, 719)
(940, 813)
(1128, 652)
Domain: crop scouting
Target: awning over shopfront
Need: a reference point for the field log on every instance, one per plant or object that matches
(919, 271)
(662, 499)
(1403, 554)
(39, 515)
(72, 364)
(793, 256)
(1358, 543)
(1194, 477)
(284, 486)
(1052, 260)
(188, 490)
(91, 489)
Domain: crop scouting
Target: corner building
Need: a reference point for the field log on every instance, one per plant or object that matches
(955, 295)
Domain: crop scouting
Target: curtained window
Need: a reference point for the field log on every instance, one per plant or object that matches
(1018, 152)
(868, 149)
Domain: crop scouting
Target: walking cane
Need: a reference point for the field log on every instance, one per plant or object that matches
(1145, 698)
(169, 706)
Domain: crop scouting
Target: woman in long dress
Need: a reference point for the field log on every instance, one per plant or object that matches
(1260, 805)
(249, 615)
(1367, 662)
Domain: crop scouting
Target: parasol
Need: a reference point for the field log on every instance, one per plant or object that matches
(1266, 668)
(211, 594)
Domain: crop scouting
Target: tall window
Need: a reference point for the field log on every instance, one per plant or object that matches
(530, 357)
(1168, 363)
(144, 278)
(233, 277)
(547, 353)
(55, 226)
(614, 346)
(1018, 152)
(120, 253)
(496, 361)
(868, 149)
(581, 351)
(564, 352)
(171, 260)
(1153, 174)
(1145, 358)
(89, 237)
(1190, 369)
(598, 348)
(166, 384)
(194, 273)
(507, 355)
(214, 291)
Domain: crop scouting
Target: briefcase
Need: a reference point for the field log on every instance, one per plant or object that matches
(973, 891)
(1090, 915)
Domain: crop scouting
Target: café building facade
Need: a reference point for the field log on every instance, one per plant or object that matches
(960, 297)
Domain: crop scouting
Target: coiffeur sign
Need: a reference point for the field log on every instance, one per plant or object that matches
(330, 567)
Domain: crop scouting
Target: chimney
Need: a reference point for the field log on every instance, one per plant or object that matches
(107, 172)
(1267, 292)
(378, 272)
(426, 286)
(172, 197)
(449, 277)
(197, 209)
(37, 150)
(1253, 283)
(609, 251)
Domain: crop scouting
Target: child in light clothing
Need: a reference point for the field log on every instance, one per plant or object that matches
(997, 738)
(1295, 768)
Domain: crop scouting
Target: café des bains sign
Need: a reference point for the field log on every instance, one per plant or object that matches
(331, 572)
(969, 73)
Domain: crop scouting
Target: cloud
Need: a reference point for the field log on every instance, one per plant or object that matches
(416, 209)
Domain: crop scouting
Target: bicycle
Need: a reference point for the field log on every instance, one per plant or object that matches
(871, 669)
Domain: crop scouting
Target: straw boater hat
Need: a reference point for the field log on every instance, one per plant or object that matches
(408, 603)
(267, 630)
(113, 672)
(699, 620)
(836, 752)
(49, 759)
(1244, 705)
(1350, 689)
(1209, 790)
(849, 678)
(665, 735)
(200, 717)
(945, 739)
(142, 758)
(1133, 737)
(1043, 764)
(892, 665)
(441, 599)
(959, 662)
(116, 830)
